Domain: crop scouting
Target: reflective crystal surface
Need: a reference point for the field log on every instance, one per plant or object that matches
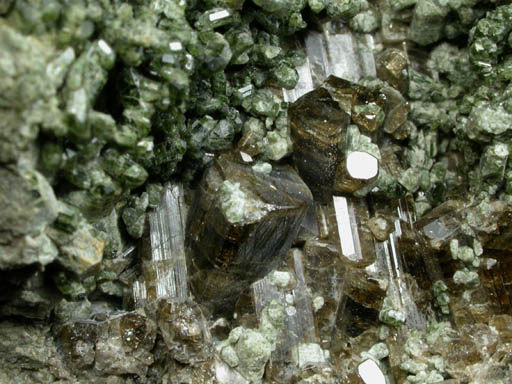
(164, 262)
(329, 156)
(336, 51)
(241, 225)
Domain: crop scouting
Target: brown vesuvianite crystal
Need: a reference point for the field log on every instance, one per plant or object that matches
(319, 122)
(392, 66)
(447, 226)
(241, 225)
(119, 345)
(163, 251)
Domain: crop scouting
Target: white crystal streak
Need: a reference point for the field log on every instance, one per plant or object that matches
(334, 51)
(219, 15)
(344, 227)
(165, 272)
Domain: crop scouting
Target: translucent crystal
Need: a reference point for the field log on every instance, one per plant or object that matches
(242, 224)
(118, 345)
(326, 277)
(333, 51)
(392, 67)
(409, 266)
(325, 154)
(299, 325)
(164, 262)
(350, 232)
(297, 344)
(184, 330)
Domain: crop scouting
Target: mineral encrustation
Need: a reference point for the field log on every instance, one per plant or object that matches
(256, 192)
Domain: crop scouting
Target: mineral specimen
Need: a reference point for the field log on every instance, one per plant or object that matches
(116, 117)
(320, 127)
(241, 225)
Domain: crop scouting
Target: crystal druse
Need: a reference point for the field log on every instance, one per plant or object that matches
(256, 191)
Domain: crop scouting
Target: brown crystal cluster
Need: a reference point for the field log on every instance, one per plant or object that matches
(285, 273)
(345, 289)
(261, 281)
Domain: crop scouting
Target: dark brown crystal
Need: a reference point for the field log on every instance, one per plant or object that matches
(319, 122)
(227, 253)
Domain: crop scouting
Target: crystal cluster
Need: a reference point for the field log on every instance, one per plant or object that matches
(255, 191)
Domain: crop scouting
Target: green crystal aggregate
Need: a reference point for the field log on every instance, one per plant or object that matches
(103, 101)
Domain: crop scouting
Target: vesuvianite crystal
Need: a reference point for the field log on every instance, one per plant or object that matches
(331, 156)
(258, 191)
(241, 225)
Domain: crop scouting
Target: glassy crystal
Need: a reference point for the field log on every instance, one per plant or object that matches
(411, 270)
(444, 228)
(357, 170)
(334, 51)
(326, 277)
(119, 345)
(392, 67)
(164, 263)
(184, 330)
(441, 224)
(241, 225)
(298, 347)
(343, 269)
(317, 126)
(319, 121)
(348, 219)
(397, 110)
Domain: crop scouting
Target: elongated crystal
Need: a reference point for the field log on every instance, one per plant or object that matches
(164, 262)
(298, 344)
(336, 51)
(326, 277)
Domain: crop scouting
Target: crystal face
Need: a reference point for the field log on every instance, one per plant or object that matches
(164, 264)
(361, 165)
(241, 225)
(370, 372)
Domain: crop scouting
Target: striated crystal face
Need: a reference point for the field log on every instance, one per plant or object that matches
(241, 225)
(164, 262)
